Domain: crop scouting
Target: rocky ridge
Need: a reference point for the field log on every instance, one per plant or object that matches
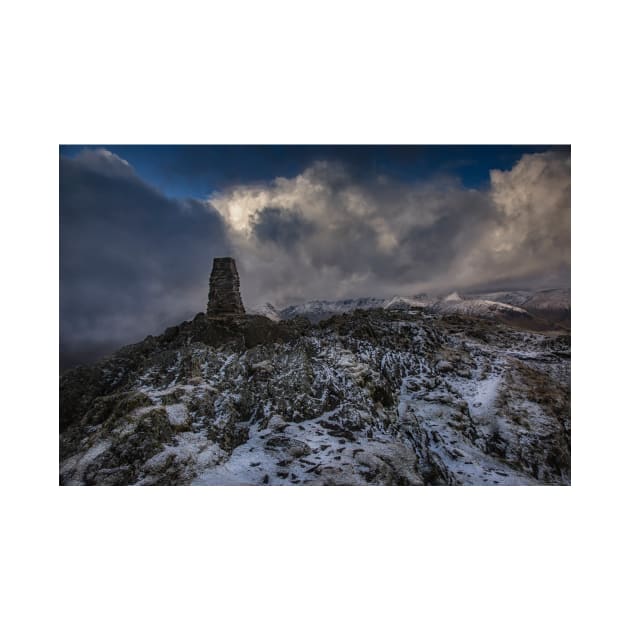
(368, 397)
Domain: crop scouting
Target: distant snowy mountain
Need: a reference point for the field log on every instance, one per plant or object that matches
(452, 297)
(406, 303)
(317, 310)
(515, 298)
(267, 309)
(552, 305)
(477, 308)
(539, 309)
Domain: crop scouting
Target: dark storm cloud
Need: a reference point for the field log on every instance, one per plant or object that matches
(431, 242)
(132, 260)
(283, 227)
(196, 170)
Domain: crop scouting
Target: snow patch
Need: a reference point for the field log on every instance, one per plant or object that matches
(453, 297)
(177, 414)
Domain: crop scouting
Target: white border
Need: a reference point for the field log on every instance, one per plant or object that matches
(326, 72)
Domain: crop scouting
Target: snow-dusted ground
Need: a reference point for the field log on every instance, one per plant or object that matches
(383, 397)
(305, 453)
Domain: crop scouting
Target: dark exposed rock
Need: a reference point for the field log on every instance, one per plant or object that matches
(80, 386)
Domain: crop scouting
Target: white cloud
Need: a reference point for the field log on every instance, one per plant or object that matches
(325, 233)
(531, 231)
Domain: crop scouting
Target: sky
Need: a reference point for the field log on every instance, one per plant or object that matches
(140, 225)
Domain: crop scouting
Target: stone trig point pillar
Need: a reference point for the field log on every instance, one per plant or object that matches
(224, 297)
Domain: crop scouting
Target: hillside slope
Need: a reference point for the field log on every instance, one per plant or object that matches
(369, 397)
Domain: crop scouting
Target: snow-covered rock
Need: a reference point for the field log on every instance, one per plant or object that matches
(453, 297)
(317, 310)
(267, 309)
(368, 397)
(477, 308)
(406, 303)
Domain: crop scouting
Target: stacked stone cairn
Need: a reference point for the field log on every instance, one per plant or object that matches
(224, 298)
